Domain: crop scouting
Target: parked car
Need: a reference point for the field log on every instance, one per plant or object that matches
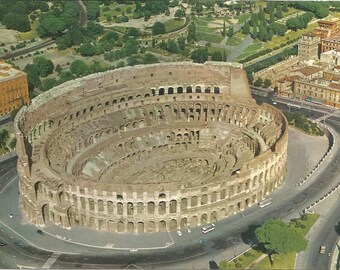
(179, 233)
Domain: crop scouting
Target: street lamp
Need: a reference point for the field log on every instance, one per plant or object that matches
(234, 249)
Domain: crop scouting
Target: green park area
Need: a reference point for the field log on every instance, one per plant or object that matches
(299, 121)
(277, 245)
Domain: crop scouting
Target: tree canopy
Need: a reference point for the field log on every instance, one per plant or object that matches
(158, 28)
(277, 237)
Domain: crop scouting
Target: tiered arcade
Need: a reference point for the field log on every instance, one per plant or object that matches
(148, 149)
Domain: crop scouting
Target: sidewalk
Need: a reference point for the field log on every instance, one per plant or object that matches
(335, 265)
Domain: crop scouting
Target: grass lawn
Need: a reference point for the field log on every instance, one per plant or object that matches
(281, 261)
(174, 24)
(235, 39)
(209, 37)
(277, 40)
(242, 261)
(30, 34)
(113, 12)
(307, 223)
(119, 29)
(242, 18)
(2, 151)
(211, 50)
(252, 48)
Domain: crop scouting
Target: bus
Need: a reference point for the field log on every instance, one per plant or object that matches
(265, 202)
(208, 228)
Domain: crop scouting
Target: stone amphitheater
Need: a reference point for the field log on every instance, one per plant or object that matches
(148, 149)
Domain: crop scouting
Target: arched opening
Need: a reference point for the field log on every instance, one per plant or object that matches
(170, 90)
(223, 212)
(173, 224)
(130, 227)
(189, 89)
(151, 226)
(110, 226)
(161, 208)
(129, 208)
(184, 223)
(120, 226)
(198, 89)
(162, 226)
(140, 227)
(161, 91)
(140, 208)
(207, 90)
(91, 204)
(173, 206)
(100, 205)
(120, 209)
(82, 203)
(179, 90)
(101, 225)
(110, 207)
(204, 219)
(193, 201)
(193, 221)
(204, 199)
(213, 216)
(151, 208)
(216, 90)
(184, 204)
(214, 196)
(45, 213)
(38, 190)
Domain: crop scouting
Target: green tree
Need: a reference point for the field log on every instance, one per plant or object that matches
(277, 237)
(45, 66)
(79, 68)
(131, 46)
(278, 12)
(246, 28)
(285, 6)
(224, 30)
(172, 46)
(150, 59)
(3, 137)
(200, 55)
(181, 43)
(179, 13)
(13, 143)
(258, 82)
(33, 78)
(217, 56)
(158, 28)
(93, 10)
(87, 49)
(48, 83)
(16, 22)
(224, 56)
(51, 26)
(230, 32)
(267, 83)
(191, 33)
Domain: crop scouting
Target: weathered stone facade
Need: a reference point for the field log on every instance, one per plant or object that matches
(148, 149)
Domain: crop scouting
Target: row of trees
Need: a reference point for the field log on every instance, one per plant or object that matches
(299, 22)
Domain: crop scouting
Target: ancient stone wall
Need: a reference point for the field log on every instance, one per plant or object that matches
(148, 148)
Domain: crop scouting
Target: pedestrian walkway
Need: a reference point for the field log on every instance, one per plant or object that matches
(335, 265)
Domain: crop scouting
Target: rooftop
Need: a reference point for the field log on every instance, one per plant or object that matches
(332, 39)
(309, 70)
(7, 71)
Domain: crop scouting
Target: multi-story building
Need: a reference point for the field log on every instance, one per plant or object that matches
(319, 90)
(327, 28)
(308, 47)
(331, 43)
(13, 88)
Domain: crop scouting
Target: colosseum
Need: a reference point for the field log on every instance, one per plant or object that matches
(148, 149)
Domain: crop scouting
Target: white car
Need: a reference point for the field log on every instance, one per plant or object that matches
(189, 230)
(179, 233)
(274, 103)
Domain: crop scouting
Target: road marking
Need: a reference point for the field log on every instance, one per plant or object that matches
(25, 266)
(51, 261)
(8, 184)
